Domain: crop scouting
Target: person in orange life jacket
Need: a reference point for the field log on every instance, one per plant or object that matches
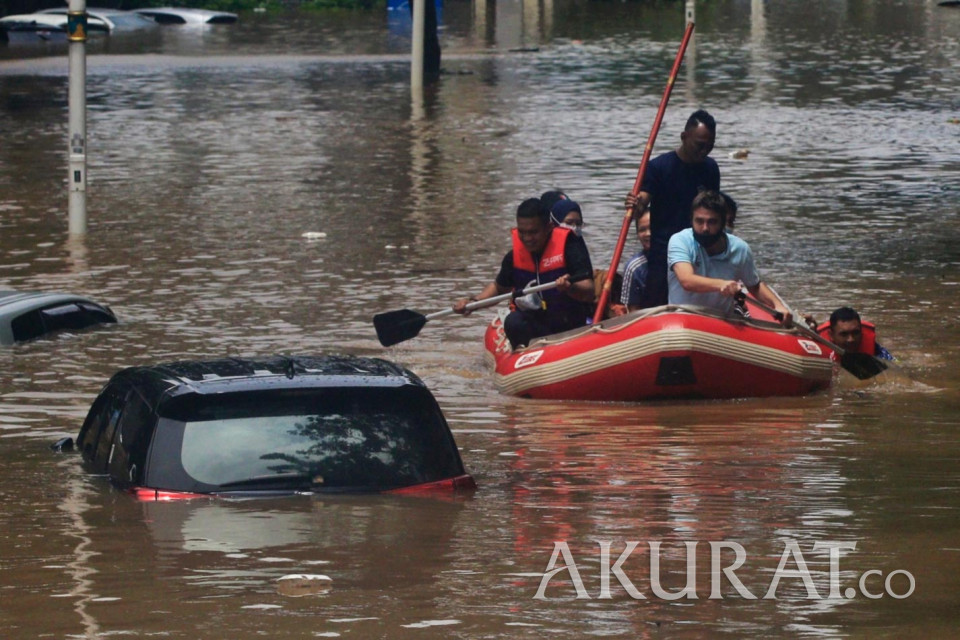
(541, 253)
(847, 331)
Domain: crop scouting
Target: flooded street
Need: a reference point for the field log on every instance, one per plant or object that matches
(211, 152)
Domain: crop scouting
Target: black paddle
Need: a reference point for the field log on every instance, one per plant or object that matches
(396, 326)
(862, 365)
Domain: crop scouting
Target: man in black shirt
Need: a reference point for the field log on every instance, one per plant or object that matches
(670, 184)
(541, 253)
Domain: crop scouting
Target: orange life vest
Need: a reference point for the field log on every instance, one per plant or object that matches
(551, 265)
(868, 340)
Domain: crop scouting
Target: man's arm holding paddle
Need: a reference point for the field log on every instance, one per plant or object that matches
(695, 283)
(765, 294)
(500, 286)
(489, 291)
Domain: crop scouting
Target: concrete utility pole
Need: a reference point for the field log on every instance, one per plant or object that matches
(77, 180)
(416, 55)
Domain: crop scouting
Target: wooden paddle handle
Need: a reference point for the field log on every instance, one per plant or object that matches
(638, 182)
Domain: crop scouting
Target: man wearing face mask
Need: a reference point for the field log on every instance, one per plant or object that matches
(708, 265)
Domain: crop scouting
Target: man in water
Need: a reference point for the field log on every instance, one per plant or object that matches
(708, 266)
(850, 333)
(670, 184)
(541, 253)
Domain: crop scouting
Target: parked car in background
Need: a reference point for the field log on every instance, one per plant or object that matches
(114, 20)
(278, 425)
(25, 315)
(42, 27)
(183, 15)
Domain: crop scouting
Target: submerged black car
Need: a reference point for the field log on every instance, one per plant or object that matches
(279, 425)
(25, 315)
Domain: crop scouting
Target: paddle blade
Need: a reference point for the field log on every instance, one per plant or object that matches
(396, 326)
(862, 365)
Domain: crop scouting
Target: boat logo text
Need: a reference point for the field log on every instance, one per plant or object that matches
(810, 347)
(528, 359)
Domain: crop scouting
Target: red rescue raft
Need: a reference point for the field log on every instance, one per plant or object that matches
(664, 352)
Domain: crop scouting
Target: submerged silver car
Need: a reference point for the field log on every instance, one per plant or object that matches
(43, 27)
(25, 315)
(112, 20)
(182, 15)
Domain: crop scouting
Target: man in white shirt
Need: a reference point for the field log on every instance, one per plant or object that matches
(707, 266)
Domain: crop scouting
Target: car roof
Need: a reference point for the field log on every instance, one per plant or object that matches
(91, 11)
(14, 304)
(109, 17)
(235, 375)
(188, 14)
(17, 302)
(40, 19)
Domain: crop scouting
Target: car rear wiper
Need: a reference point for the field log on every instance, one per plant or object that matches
(295, 478)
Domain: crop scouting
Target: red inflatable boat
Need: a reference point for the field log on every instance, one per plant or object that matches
(664, 352)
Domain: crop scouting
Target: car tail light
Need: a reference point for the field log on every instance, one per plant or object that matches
(158, 495)
(460, 483)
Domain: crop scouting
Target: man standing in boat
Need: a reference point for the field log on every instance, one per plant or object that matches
(541, 253)
(671, 182)
(708, 266)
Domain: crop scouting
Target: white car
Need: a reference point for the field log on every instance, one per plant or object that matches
(111, 20)
(181, 15)
(42, 27)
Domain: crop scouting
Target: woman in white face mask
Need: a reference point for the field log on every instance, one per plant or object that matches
(566, 213)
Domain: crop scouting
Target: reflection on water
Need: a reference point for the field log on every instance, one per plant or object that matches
(211, 153)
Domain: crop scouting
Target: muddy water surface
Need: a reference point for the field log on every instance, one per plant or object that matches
(212, 152)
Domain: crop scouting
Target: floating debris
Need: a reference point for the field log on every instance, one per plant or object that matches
(303, 584)
(949, 121)
(740, 154)
(362, 619)
(313, 235)
(430, 623)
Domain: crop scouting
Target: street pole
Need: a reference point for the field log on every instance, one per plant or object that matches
(416, 56)
(77, 179)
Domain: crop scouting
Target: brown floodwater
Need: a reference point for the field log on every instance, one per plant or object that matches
(211, 153)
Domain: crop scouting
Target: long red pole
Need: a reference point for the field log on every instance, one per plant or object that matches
(625, 229)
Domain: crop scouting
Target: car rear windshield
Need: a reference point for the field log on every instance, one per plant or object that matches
(329, 439)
